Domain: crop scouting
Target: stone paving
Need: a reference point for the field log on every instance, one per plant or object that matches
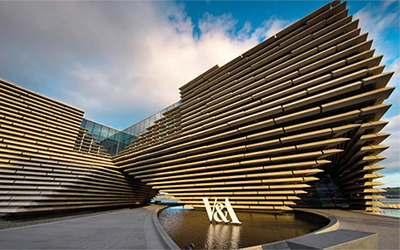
(122, 229)
(388, 228)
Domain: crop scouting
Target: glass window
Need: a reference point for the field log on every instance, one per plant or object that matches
(152, 119)
(125, 138)
(96, 129)
(111, 139)
(111, 132)
(146, 123)
(89, 126)
(136, 129)
(158, 116)
(97, 138)
(141, 127)
(104, 132)
(117, 136)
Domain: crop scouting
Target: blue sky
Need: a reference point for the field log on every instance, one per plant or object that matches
(122, 61)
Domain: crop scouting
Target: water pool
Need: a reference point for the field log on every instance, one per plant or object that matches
(187, 226)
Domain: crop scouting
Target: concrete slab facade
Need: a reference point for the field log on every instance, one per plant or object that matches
(41, 167)
(259, 130)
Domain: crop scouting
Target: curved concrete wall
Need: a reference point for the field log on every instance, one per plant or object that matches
(45, 165)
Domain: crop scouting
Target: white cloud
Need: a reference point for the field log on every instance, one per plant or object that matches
(394, 124)
(120, 59)
(392, 162)
(275, 25)
(377, 20)
(393, 153)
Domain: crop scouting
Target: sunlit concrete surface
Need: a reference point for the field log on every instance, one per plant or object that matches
(388, 228)
(122, 229)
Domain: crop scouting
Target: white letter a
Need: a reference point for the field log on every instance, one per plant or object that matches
(232, 214)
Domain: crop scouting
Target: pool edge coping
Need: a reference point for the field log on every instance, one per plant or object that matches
(166, 239)
(332, 226)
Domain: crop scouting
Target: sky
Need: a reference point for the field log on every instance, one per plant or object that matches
(123, 61)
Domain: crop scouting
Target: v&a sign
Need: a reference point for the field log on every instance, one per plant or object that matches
(218, 214)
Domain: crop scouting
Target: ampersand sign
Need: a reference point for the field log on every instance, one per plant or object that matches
(219, 216)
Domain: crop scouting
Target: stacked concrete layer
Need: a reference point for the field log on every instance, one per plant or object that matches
(47, 165)
(260, 128)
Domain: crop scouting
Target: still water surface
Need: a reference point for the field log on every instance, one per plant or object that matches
(186, 226)
(391, 212)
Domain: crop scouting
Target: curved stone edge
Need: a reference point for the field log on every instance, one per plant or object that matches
(332, 226)
(165, 238)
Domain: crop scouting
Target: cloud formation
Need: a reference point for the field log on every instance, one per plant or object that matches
(379, 21)
(117, 61)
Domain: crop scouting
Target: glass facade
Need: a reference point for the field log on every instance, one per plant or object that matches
(140, 127)
(111, 139)
(114, 140)
(324, 194)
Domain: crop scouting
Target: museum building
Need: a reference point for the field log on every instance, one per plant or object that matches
(293, 122)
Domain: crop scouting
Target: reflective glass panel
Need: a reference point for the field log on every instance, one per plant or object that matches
(104, 132)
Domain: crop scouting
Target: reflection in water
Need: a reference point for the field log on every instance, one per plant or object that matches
(391, 212)
(220, 236)
(192, 226)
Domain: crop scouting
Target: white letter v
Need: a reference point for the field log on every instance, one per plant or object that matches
(208, 208)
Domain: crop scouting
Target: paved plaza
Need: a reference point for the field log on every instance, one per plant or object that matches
(122, 229)
(388, 228)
